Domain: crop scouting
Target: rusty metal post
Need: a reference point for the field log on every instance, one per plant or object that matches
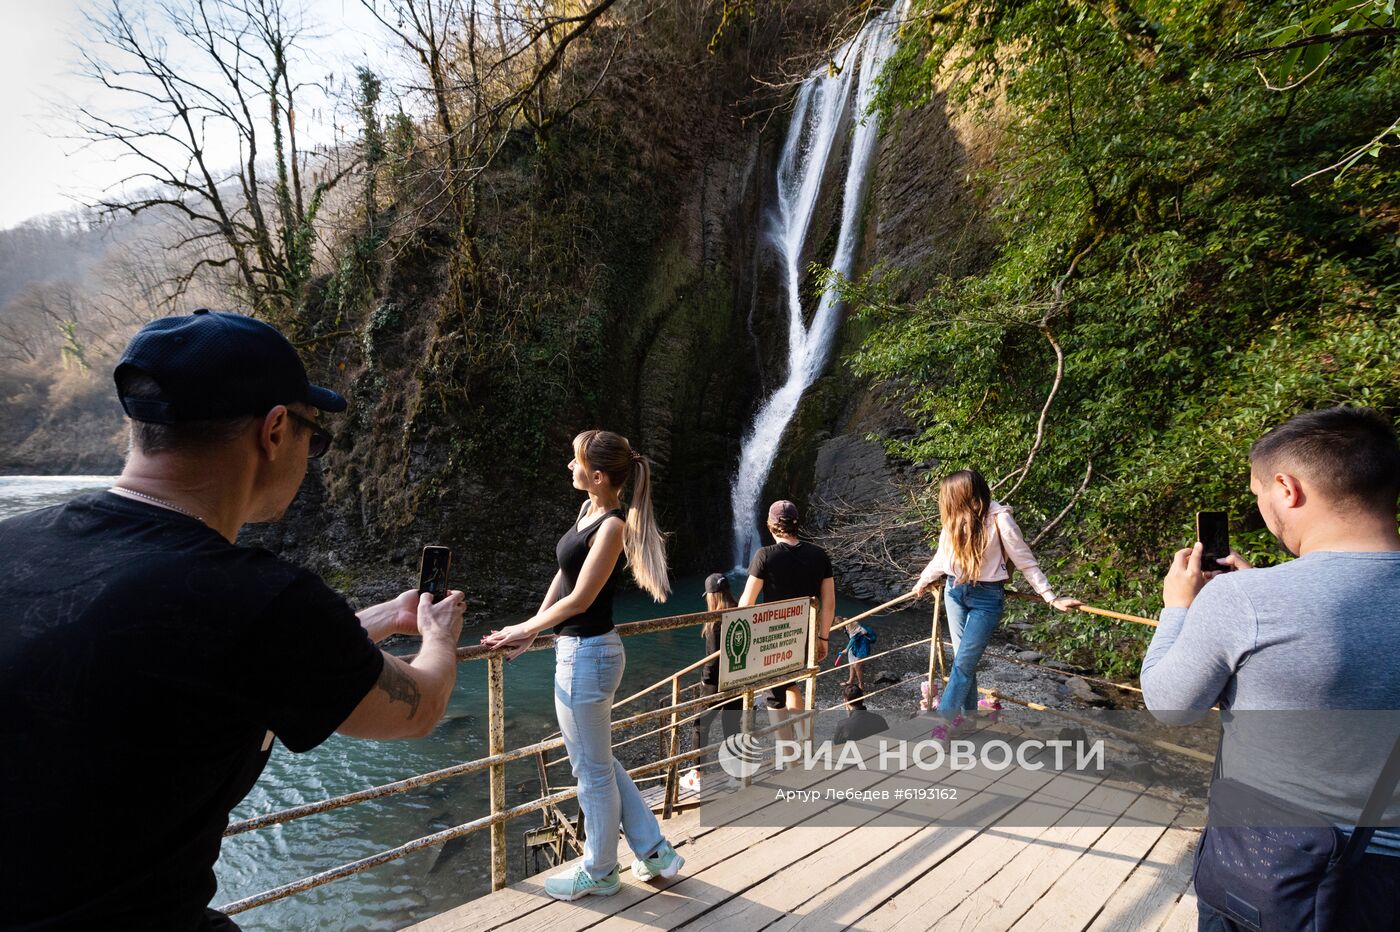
(496, 712)
(673, 771)
(807, 725)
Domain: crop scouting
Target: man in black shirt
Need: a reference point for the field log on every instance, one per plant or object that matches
(859, 723)
(790, 569)
(147, 661)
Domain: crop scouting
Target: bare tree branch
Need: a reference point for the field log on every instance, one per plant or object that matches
(1073, 499)
(1329, 38)
(1056, 304)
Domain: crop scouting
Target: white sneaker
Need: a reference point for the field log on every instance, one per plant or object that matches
(664, 864)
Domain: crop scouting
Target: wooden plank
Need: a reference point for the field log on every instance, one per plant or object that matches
(1152, 890)
(1077, 895)
(841, 903)
(940, 889)
(739, 858)
(527, 897)
(1184, 916)
(859, 864)
(997, 903)
(723, 863)
(493, 910)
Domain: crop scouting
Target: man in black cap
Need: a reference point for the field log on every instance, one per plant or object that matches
(789, 569)
(148, 661)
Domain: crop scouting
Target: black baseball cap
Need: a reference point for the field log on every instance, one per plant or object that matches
(716, 582)
(782, 509)
(216, 364)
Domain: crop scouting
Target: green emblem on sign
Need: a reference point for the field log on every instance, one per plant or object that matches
(736, 644)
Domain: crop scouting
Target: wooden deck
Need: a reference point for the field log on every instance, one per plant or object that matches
(1111, 855)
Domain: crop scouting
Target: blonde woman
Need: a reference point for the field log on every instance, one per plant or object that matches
(589, 657)
(977, 547)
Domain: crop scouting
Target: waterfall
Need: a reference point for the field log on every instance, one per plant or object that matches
(822, 116)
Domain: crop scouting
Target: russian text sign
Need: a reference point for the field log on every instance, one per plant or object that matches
(762, 641)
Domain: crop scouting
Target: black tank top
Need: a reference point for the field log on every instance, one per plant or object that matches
(571, 551)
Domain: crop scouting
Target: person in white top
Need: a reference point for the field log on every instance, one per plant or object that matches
(977, 547)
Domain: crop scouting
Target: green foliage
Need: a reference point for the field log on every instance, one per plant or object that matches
(399, 139)
(72, 350)
(366, 100)
(1307, 43)
(1211, 297)
(385, 320)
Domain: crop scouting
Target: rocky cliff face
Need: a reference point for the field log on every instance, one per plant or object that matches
(69, 425)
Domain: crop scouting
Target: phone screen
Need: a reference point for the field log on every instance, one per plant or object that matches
(1213, 531)
(432, 571)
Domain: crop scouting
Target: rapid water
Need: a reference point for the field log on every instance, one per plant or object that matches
(829, 108)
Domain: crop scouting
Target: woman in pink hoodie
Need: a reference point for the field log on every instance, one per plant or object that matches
(977, 547)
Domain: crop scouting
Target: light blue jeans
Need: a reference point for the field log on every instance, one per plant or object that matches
(974, 610)
(587, 672)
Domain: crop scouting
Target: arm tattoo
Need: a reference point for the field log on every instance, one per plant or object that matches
(399, 686)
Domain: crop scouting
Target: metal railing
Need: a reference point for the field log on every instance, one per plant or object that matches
(678, 713)
(498, 757)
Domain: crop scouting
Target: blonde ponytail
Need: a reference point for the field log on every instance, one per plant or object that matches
(642, 541)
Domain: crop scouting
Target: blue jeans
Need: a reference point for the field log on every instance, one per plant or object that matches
(587, 672)
(974, 610)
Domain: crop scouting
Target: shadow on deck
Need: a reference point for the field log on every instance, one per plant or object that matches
(1020, 849)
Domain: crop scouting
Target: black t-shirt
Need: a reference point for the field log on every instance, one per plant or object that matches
(143, 662)
(859, 724)
(572, 552)
(790, 571)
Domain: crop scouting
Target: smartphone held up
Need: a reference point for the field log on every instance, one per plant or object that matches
(432, 571)
(1213, 531)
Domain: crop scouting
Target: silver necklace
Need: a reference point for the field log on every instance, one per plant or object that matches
(121, 490)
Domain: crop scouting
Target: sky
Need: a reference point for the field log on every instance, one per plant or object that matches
(42, 172)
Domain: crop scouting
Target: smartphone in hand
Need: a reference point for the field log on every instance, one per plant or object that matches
(1213, 531)
(432, 571)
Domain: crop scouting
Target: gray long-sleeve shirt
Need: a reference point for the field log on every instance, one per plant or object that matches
(1321, 632)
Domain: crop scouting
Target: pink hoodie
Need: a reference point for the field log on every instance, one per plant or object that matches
(1004, 544)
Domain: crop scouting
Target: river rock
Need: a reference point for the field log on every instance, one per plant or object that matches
(1030, 656)
(1080, 689)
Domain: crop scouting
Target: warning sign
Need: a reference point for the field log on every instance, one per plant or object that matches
(762, 641)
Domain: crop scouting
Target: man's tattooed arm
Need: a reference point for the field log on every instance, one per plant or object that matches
(398, 686)
(408, 699)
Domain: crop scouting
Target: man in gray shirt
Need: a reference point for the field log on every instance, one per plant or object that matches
(1321, 632)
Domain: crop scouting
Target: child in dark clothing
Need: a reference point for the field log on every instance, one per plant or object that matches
(718, 598)
(860, 723)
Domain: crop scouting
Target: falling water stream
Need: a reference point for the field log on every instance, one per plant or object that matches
(831, 107)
